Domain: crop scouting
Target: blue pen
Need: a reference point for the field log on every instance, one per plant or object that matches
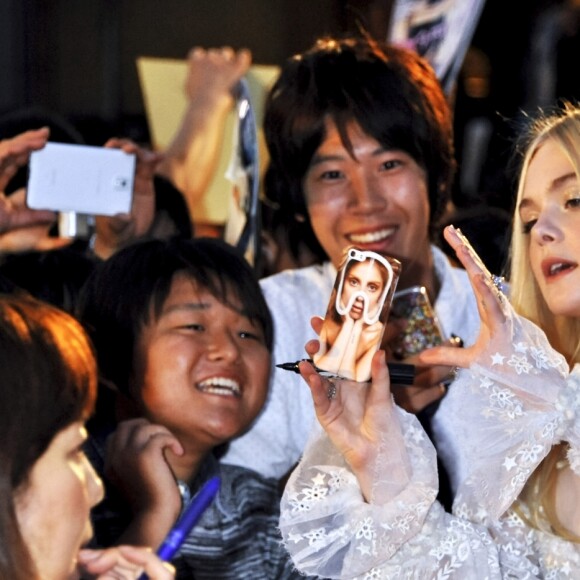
(185, 523)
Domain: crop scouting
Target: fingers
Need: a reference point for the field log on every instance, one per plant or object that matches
(312, 347)
(489, 298)
(380, 388)
(126, 562)
(151, 564)
(147, 160)
(316, 322)
(136, 463)
(18, 148)
(448, 356)
(215, 70)
(47, 243)
(318, 387)
(465, 252)
(244, 60)
(14, 214)
(141, 435)
(15, 152)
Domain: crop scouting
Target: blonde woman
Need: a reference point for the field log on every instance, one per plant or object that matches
(361, 502)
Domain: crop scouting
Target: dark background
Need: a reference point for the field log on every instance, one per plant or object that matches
(77, 58)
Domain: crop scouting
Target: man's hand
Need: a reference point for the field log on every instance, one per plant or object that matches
(113, 233)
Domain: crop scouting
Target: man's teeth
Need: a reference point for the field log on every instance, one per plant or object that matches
(220, 386)
(372, 237)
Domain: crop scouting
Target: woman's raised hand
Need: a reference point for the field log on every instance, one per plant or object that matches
(354, 415)
(490, 303)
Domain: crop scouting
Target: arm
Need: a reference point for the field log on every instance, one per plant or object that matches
(350, 476)
(191, 158)
(357, 419)
(361, 500)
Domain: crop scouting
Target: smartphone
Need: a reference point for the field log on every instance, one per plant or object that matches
(423, 329)
(80, 178)
(357, 313)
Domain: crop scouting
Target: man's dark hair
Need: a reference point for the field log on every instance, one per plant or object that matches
(391, 93)
(127, 291)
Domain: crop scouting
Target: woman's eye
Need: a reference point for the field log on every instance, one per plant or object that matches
(527, 227)
(574, 202)
(372, 287)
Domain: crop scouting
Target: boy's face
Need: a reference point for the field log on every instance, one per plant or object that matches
(377, 201)
(202, 369)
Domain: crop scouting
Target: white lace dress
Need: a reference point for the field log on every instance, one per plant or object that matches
(512, 406)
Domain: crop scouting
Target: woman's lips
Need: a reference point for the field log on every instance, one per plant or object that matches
(553, 268)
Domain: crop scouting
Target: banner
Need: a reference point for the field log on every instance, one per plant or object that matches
(439, 30)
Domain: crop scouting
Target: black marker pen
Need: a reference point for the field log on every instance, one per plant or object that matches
(401, 373)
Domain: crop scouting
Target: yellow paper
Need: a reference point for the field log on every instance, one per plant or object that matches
(162, 84)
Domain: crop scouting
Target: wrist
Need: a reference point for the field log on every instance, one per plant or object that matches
(219, 103)
(98, 249)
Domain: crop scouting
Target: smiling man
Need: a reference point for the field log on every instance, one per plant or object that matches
(360, 139)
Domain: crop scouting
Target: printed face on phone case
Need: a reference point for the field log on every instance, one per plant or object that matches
(365, 281)
(363, 288)
(356, 314)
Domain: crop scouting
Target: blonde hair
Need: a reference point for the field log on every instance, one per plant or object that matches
(537, 501)
(563, 128)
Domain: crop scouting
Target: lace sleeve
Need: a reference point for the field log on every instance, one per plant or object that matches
(327, 526)
(517, 401)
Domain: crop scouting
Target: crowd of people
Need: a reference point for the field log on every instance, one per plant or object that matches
(140, 363)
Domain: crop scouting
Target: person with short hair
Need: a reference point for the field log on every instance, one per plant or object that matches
(362, 501)
(48, 377)
(183, 338)
(359, 134)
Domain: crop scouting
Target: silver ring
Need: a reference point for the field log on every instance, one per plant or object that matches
(451, 376)
(499, 285)
(498, 282)
(331, 392)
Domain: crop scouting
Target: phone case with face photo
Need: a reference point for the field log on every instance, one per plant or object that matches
(356, 315)
(423, 330)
